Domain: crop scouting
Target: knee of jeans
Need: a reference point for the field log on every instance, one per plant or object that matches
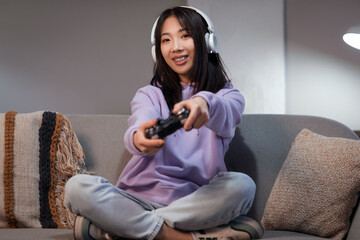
(243, 185)
(75, 191)
(71, 187)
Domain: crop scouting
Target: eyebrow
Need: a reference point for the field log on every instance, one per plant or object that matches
(181, 30)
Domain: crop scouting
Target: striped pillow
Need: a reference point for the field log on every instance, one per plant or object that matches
(40, 153)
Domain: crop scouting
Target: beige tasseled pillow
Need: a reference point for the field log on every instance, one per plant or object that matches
(40, 152)
(317, 187)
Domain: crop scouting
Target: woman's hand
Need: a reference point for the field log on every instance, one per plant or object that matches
(199, 112)
(147, 146)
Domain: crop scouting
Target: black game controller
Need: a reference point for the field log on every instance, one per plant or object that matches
(168, 126)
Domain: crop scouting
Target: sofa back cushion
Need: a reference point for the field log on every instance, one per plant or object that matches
(262, 143)
(102, 138)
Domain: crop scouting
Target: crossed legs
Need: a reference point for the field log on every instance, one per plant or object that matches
(226, 197)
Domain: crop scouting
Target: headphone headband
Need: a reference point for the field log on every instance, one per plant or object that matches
(205, 17)
(210, 37)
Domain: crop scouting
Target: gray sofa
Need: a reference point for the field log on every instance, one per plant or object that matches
(260, 146)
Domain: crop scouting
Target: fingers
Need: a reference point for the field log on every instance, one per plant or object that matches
(147, 125)
(178, 107)
(147, 146)
(199, 112)
(196, 120)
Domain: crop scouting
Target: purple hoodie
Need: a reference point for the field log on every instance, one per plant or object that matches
(188, 159)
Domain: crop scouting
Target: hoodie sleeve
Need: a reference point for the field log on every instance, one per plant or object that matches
(145, 106)
(225, 109)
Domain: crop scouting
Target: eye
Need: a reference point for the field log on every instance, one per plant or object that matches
(186, 35)
(164, 40)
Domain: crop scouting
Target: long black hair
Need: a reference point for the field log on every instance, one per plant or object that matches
(207, 72)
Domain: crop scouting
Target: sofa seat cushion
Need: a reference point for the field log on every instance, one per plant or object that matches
(317, 187)
(282, 235)
(65, 234)
(36, 233)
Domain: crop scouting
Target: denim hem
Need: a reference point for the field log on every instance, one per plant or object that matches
(157, 228)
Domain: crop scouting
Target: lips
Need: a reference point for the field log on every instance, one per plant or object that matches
(179, 60)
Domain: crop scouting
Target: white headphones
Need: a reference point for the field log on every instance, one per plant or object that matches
(210, 37)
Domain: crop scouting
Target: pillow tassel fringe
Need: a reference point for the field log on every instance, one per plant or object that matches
(70, 158)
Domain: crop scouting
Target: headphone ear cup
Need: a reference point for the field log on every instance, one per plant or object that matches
(208, 48)
(211, 42)
(153, 53)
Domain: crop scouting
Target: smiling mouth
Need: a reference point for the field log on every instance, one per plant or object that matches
(180, 59)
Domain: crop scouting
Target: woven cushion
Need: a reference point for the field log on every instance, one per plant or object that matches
(316, 189)
(40, 153)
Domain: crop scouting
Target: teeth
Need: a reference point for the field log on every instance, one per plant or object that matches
(179, 59)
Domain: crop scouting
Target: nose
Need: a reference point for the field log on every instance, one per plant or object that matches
(177, 46)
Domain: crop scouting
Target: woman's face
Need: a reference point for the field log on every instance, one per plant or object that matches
(177, 48)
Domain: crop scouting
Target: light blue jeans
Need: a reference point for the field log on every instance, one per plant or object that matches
(226, 197)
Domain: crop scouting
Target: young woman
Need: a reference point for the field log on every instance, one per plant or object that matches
(177, 187)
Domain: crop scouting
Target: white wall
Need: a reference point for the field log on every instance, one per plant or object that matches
(90, 56)
(251, 42)
(75, 56)
(323, 73)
